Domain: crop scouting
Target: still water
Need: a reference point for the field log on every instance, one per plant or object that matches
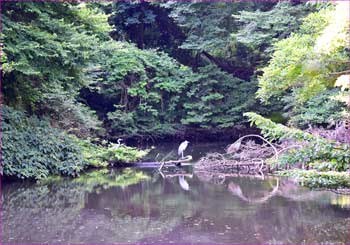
(178, 205)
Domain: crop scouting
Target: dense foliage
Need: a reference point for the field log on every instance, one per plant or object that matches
(262, 29)
(320, 110)
(189, 66)
(152, 93)
(305, 66)
(48, 50)
(144, 68)
(108, 155)
(141, 89)
(47, 46)
(33, 149)
(210, 38)
(311, 151)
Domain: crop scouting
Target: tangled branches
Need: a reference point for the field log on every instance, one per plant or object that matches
(245, 157)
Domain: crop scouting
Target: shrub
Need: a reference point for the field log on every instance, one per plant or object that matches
(33, 149)
(323, 157)
(321, 109)
(314, 150)
(100, 156)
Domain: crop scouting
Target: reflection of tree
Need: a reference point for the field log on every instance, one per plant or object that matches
(286, 188)
(99, 209)
(60, 211)
(106, 179)
(275, 213)
(40, 211)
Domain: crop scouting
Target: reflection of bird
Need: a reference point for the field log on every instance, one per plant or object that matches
(183, 183)
(182, 148)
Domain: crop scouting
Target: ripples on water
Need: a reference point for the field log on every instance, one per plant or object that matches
(142, 206)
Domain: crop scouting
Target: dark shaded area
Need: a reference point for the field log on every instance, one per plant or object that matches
(148, 25)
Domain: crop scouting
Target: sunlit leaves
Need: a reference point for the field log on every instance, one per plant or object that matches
(299, 65)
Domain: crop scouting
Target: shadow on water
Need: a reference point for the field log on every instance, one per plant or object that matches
(177, 205)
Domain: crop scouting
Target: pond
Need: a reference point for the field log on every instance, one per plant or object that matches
(168, 150)
(179, 205)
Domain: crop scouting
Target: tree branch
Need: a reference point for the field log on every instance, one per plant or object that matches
(341, 72)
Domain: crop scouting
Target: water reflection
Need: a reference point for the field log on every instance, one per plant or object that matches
(135, 206)
(183, 183)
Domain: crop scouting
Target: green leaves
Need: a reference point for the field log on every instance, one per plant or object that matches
(47, 45)
(297, 66)
(32, 149)
(143, 84)
(321, 109)
(276, 131)
(103, 156)
(261, 29)
(214, 99)
(316, 152)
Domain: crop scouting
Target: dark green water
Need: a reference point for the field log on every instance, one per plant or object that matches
(144, 206)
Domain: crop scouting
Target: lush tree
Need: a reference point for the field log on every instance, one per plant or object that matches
(47, 47)
(300, 65)
(322, 109)
(147, 92)
(215, 99)
(208, 27)
(261, 29)
(48, 50)
(307, 63)
(140, 88)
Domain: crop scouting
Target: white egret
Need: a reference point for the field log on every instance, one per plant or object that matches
(116, 146)
(119, 142)
(182, 148)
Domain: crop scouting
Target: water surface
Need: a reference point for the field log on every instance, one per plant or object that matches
(175, 206)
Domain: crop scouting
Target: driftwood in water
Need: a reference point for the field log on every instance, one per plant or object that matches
(217, 162)
(172, 162)
(248, 157)
(184, 161)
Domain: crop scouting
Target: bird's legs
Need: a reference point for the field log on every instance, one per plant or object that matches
(182, 155)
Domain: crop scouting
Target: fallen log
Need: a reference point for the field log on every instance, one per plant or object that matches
(172, 162)
(184, 162)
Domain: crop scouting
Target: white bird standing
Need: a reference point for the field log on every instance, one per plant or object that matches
(119, 141)
(118, 144)
(182, 148)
